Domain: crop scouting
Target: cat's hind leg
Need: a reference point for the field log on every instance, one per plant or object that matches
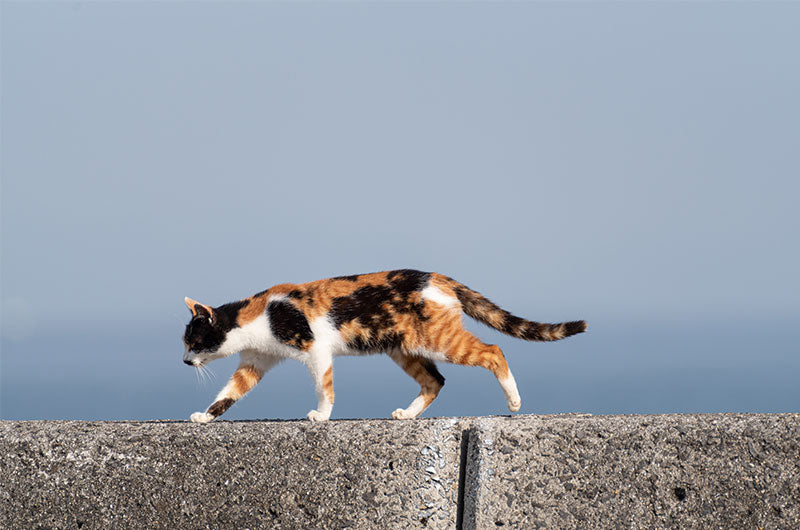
(430, 382)
(246, 376)
(465, 348)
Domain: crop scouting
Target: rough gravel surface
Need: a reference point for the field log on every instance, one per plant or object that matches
(340, 474)
(565, 471)
(668, 471)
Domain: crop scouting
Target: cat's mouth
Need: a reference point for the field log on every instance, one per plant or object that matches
(197, 363)
(191, 360)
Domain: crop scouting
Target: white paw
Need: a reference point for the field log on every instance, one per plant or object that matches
(315, 415)
(201, 417)
(514, 404)
(402, 414)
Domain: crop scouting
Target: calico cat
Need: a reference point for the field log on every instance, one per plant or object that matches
(413, 316)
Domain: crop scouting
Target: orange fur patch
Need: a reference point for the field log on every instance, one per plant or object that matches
(280, 289)
(191, 304)
(444, 284)
(255, 308)
(327, 383)
(352, 331)
(244, 379)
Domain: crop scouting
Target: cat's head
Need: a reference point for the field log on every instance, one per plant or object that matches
(205, 334)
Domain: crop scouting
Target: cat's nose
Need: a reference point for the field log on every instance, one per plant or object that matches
(190, 363)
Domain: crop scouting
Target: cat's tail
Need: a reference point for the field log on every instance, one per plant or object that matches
(484, 310)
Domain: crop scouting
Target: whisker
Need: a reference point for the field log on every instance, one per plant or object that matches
(206, 374)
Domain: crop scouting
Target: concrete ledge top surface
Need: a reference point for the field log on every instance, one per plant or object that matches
(672, 416)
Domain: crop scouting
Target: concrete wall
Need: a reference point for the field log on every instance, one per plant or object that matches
(569, 471)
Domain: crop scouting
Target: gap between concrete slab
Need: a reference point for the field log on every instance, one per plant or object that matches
(462, 473)
(464, 467)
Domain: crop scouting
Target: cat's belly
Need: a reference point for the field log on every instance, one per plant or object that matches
(419, 352)
(428, 354)
(352, 352)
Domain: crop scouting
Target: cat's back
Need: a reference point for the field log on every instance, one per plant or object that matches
(342, 295)
(363, 313)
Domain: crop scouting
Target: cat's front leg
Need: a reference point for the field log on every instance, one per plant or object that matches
(201, 417)
(244, 378)
(320, 365)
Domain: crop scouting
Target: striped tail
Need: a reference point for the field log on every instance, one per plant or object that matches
(483, 310)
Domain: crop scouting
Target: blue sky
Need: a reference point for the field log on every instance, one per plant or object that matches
(635, 165)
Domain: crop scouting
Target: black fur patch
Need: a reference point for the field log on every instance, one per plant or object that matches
(374, 306)
(573, 327)
(364, 305)
(515, 326)
(432, 370)
(227, 313)
(218, 408)
(299, 294)
(351, 278)
(289, 324)
(200, 311)
(472, 302)
(408, 280)
(381, 343)
(203, 334)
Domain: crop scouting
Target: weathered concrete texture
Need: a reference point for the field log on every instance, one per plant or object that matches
(673, 471)
(569, 471)
(342, 474)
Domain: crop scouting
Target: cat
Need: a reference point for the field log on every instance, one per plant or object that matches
(413, 316)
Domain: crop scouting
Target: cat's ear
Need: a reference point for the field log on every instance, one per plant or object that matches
(197, 308)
